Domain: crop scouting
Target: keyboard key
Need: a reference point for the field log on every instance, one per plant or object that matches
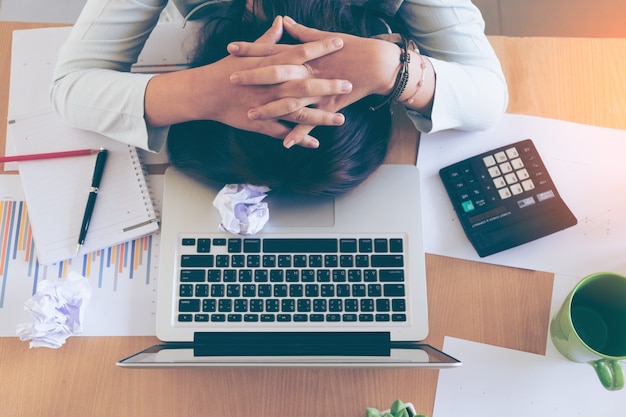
(296, 290)
(192, 275)
(234, 245)
(366, 245)
(201, 318)
(324, 245)
(280, 290)
(267, 318)
(351, 305)
(367, 304)
(382, 317)
(387, 261)
(185, 290)
(381, 245)
(217, 290)
(222, 261)
(197, 261)
(339, 275)
(271, 305)
(335, 305)
(269, 261)
(333, 317)
(374, 290)
(233, 290)
(393, 290)
(327, 290)
(209, 305)
(348, 245)
(252, 245)
(299, 261)
(284, 261)
(349, 317)
(315, 261)
(391, 275)
(218, 317)
(241, 305)
(316, 317)
(224, 305)
(256, 305)
(319, 305)
(358, 290)
(253, 261)
(250, 317)
(382, 304)
(277, 275)
(185, 318)
(346, 261)
(188, 305)
(204, 246)
(287, 305)
(202, 290)
(366, 317)
(398, 304)
(396, 246)
(237, 261)
(398, 317)
(331, 261)
(304, 305)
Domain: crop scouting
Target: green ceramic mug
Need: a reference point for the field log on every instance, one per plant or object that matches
(590, 326)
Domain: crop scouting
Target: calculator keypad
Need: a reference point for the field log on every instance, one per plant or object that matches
(511, 173)
(505, 197)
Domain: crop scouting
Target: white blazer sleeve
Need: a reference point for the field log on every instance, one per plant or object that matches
(92, 88)
(471, 91)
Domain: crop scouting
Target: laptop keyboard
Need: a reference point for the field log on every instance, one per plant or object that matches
(304, 280)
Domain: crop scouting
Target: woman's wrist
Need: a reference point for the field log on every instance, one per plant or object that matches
(407, 77)
(420, 90)
(172, 98)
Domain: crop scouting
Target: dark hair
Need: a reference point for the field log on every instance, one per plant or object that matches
(347, 155)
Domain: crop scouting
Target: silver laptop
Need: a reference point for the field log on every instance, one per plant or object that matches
(327, 282)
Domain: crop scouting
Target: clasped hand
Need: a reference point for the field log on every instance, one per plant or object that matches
(308, 83)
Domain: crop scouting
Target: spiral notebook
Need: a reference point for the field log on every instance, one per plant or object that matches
(56, 190)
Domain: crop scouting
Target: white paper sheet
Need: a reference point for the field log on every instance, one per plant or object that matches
(498, 382)
(123, 278)
(585, 162)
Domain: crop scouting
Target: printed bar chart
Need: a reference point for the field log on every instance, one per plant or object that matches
(123, 278)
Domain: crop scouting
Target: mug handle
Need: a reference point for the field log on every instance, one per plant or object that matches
(610, 372)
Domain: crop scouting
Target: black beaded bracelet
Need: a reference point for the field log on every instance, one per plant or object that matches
(402, 78)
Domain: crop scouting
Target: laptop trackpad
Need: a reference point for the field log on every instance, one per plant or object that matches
(299, 211)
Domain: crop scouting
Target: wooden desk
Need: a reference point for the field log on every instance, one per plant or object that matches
(580, 80)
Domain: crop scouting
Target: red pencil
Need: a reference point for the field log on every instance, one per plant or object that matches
(50, 155)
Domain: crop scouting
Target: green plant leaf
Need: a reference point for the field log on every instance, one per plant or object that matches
(402, 413)
(396, 407)
(372, 412)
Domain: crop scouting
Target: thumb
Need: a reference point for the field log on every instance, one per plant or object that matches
(274, 33)
(302, 33)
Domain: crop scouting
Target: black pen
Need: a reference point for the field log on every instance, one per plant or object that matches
(93, 193)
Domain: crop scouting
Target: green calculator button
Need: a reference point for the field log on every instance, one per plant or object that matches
(467, 206)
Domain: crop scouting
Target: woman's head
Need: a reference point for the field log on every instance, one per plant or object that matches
(347, 154)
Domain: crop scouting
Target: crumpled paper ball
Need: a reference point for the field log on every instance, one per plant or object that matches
(58, 308)
(242, 209)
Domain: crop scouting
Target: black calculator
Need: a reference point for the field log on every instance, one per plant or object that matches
(505, 198)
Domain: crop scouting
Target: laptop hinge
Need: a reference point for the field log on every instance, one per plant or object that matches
(291, 344)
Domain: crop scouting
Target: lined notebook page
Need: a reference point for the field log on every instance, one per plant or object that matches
(56, 190)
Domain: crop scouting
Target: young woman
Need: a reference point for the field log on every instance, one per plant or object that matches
(454, 81)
